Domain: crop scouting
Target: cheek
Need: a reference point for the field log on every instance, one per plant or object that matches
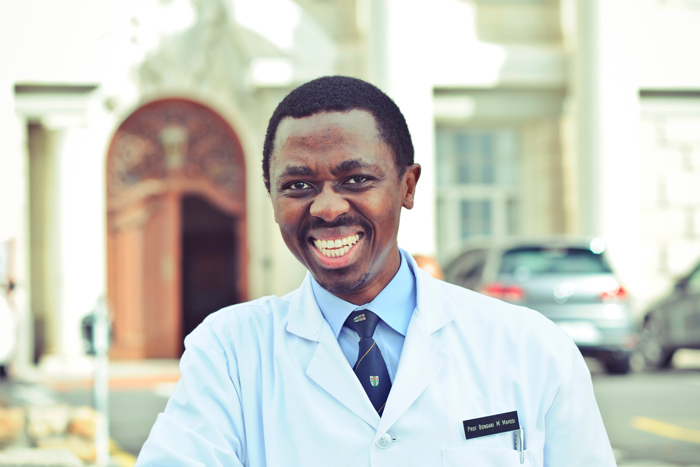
(386, 219)
(288, 218)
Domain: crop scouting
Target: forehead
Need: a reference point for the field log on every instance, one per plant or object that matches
(355, 130)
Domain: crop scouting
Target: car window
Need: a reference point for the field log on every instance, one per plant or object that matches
(693, 284)
(467, 269)
(536, 260)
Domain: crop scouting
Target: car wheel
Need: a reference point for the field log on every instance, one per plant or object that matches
(617, 365)
(655, 355)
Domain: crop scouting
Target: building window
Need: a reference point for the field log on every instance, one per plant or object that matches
(477, 185)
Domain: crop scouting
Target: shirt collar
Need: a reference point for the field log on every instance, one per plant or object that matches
(394, 304)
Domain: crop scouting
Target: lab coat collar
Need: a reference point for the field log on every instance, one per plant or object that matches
(434, 311)
(305, 318)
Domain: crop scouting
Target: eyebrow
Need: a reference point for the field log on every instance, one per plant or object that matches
(352, 164)
(295, 170)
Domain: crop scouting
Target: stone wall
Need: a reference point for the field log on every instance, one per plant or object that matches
(670, 197)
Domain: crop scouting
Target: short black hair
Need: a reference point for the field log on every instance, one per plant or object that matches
(342, 94)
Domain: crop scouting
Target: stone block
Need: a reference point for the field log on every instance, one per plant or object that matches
(663, 224)
(683, 188)
(683, 129)
(83, 422)
(650, 187)
(84, 449)
(662, 158)
(682, 256)
(43, 422)
(39, 458)
(11, 425)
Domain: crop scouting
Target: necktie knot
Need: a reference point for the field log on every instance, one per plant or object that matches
(363, 322)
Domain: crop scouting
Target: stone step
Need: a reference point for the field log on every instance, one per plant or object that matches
(28, 457)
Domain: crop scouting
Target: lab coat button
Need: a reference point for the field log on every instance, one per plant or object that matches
(384, 441)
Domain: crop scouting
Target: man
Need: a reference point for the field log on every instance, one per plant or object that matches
(371, 361)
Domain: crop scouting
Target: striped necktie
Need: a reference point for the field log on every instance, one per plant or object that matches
(370, 367)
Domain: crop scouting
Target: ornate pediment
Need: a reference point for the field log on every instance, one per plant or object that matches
(174, 139)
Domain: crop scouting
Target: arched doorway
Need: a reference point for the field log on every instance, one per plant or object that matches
(176, 244)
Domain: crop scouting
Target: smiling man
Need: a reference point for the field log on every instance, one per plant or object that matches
(371, 361)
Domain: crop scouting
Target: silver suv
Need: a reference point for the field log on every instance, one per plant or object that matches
(566, 279)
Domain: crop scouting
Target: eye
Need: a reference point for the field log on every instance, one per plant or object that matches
(357, 179)
(296, 186)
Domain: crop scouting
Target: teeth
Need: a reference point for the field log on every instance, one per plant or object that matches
(337, 247)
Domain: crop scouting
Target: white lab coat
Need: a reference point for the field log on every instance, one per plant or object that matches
(265, 383)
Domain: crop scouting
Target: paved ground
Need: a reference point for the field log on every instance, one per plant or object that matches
(653, 418)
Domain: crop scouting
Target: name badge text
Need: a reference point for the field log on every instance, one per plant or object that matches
(491, 425)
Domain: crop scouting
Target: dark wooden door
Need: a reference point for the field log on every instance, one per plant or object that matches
(209, 263)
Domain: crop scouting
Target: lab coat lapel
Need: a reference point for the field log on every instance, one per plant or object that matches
(422, 357)
(328, 367)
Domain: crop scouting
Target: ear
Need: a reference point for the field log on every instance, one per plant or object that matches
(409, 182)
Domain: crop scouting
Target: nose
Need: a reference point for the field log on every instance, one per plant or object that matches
(328, 204)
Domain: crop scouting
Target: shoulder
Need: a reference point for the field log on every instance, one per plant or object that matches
(516, 326)
(521, 343)
(236, 323)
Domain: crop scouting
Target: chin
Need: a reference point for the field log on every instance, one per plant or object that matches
(341, 284)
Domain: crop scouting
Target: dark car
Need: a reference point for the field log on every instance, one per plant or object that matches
(567, 280)
(673, 322)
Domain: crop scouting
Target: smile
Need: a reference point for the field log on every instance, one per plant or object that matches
(337, 247)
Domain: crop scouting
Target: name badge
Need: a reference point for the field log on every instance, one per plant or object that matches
(491, 425)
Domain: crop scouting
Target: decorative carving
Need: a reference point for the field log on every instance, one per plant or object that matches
(175, 136)
(211, 54)
(136, 159)
(174, 139)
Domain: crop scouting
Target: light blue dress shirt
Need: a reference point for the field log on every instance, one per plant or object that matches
(394, 305)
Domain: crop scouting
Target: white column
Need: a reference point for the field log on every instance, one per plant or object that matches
(409, 84)
(607, 97)
(79, 212)
(80, 206)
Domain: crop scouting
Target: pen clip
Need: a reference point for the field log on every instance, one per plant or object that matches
(520, 443)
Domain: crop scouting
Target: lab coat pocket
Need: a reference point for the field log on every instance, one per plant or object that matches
(483, 457)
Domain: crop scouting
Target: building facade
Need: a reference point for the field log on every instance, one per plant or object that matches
(132, 137)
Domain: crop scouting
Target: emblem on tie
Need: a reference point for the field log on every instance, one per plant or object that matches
(359, 318)
(374, 380)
